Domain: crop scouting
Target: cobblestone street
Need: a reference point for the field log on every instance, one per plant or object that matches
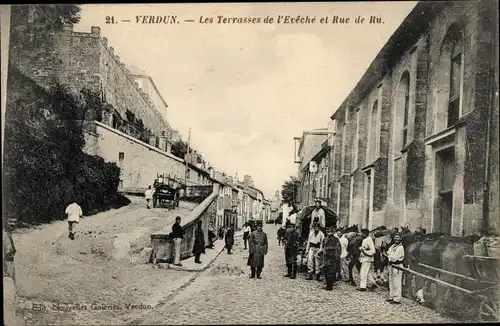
(224, 294)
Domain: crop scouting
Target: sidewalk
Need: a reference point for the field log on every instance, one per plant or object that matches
(210, 255)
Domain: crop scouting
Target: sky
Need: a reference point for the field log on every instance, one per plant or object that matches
(246, 90)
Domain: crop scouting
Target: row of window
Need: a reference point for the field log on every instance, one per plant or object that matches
(450, 89)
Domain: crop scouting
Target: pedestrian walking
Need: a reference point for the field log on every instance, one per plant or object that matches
(258, 247)
(353, 254)
(149, 195)
(342, 268)
(221, 233)
(229, 238)
(211, 236)
(396, 255)
(281, 233)
(246, 234)
(314, 244)
(291, 243)
(177, 235)
(330, 254)
(318, 216)
(199, 243)
(74, 212)
(367, 251)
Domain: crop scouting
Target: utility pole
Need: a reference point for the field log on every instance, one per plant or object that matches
(186, 157)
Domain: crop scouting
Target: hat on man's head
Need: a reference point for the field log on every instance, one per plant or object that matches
(317, 200)
(330, 228)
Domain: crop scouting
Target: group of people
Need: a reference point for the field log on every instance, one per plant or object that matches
(199, 246)
(332, 255)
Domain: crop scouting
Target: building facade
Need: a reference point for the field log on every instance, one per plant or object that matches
(313, 168)
(417, 138)
(83, 60)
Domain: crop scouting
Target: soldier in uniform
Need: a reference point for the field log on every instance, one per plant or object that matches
(291, 247)
(257, 246)
(330, 257)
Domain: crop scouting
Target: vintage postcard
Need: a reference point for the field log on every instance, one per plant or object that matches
(250, 163)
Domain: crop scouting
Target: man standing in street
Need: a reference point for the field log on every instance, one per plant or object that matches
(314, 244)
(177, 235)
(367, 251)
(318, 216)
(246, 233)
(331, 258)
(342, 268)
(353, 253)
(199, 242)
(291, 248)
(149, 195)
(396, 255)
(281, 234)
(258, 247)
(211, 236)
(229, 239)
(74, 212)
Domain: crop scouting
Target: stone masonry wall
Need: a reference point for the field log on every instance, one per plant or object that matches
(404, 182)
(141, 162)
(79, 60)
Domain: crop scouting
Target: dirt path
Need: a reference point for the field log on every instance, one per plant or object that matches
(72, 279)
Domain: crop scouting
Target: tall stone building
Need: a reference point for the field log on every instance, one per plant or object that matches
(85, 60)
(417, 138)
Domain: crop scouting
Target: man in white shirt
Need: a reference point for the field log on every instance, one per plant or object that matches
(74, 212)
(149, 195)
(246, 234)
(318, 215)
(396, 255)
(314, 244)
(366, 258)
(343, 255)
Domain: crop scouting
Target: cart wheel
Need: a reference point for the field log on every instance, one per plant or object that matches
(488, 310)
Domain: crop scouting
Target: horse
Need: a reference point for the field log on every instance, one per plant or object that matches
(351, 231)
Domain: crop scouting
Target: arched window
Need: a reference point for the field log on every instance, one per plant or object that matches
(372, 150)
(404, 86)
(450, 77)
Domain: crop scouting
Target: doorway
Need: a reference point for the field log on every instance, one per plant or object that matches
(445, 177)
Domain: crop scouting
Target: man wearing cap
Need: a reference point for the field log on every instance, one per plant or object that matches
(291, 247)
(331, 258)
(396, 255)
(257, 247)
(314, 244)
(318, 215)
(367, 251)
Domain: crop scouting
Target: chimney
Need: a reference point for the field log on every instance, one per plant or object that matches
(95, 30)
(117, 58)
(105, 41)
(112, 51)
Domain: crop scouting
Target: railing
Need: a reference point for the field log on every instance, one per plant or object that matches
(162, 242)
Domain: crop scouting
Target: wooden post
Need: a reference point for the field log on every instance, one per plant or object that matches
(446, 284)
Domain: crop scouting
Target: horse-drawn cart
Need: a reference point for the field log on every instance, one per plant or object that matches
(484, 286)
(167, 192)
(487, 272)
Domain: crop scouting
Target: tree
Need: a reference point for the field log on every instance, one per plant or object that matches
(45, 167)
(289, 190)
(179, 149)
(54, 17)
